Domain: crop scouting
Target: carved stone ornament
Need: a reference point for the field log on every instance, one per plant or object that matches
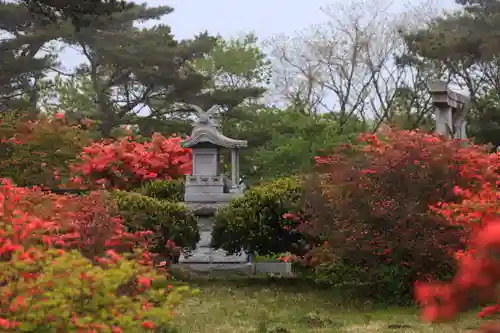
(205, 131)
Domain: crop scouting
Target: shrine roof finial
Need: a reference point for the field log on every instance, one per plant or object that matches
(205, 130)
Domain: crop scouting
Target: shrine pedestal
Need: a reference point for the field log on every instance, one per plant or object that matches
(206, 259)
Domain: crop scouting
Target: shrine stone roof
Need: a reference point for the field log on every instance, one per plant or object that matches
(442, 95)
(205, 131)
(211, 135)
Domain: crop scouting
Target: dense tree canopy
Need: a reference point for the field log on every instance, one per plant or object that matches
(80, 13)
(465, 44)
(290, 97)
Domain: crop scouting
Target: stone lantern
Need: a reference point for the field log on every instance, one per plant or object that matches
(451, 108)
(206, 189)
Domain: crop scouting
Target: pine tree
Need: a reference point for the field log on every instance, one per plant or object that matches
(21, 63)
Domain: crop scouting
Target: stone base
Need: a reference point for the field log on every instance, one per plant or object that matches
(206, 255)
(205, 259)
(272, 267)
(211, 267)
(247, 268)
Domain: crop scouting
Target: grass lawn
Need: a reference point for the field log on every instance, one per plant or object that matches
(236, 308)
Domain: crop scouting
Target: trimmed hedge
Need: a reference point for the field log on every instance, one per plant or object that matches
(168, 220)
(172, 190)
(254, 222)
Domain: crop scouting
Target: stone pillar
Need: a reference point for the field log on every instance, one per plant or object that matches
(235, 167)
(460, 125)
(444, 121)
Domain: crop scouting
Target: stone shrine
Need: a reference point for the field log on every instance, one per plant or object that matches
(451, 108)
(207, 189)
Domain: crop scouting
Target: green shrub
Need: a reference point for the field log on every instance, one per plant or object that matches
(172, 190)
(169, 221)
(254, 222)
(395, 284)
(385, 284)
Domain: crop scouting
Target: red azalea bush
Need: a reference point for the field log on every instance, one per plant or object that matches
(38, 151)
(126, 164)
(477, 279)
(87, 223)
(371, 200)
(46, 286)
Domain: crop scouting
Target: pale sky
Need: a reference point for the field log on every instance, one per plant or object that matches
(231, 18)
(265, 17)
